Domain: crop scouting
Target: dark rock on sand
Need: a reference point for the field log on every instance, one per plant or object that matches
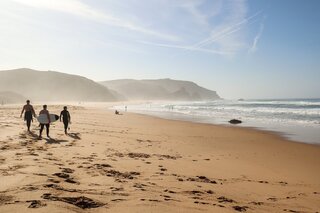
(235, 121)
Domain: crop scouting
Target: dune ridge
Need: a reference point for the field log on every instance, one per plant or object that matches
(53, 86)
(161, 89)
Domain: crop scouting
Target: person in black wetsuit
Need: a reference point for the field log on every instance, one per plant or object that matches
(65, 115)
(46, 112)
(28, 112)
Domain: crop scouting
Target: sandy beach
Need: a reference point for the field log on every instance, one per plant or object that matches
(138, 163)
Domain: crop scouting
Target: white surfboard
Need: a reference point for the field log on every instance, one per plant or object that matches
(43, 118)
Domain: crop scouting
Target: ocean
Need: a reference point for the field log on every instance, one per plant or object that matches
(295, 119)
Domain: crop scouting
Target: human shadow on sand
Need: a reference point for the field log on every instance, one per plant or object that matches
(33, 135)
(29, 135)
(54, 141)
(75, 135)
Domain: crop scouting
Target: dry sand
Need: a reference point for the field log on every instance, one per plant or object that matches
(136, 163)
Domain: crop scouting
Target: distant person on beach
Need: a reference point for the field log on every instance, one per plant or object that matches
(46, 112)
(28, 112)
(65, 115)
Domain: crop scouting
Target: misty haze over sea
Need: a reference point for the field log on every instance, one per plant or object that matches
(296, 119)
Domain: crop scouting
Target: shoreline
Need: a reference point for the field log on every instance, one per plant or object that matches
(283, 135)
(279, 135)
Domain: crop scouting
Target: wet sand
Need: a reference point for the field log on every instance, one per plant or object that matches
(138, 163)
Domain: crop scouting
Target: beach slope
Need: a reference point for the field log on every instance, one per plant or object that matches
(137, 163)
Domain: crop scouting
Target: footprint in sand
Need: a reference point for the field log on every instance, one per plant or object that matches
(202, 179)
(61, 175)
(169, 191)
(203, 203)
(30, 188)
(283, 183)
(116, 189)
(256, 203)
(36, 204)
(223, 199)
(67, 170)
(53, 180)
(240, 208)
(5, 199)
(118, 199)
(154, 200)
(81, 202)
(122, 175)
(262, 181)
(140, 186)
(66, 176)
(272, 199)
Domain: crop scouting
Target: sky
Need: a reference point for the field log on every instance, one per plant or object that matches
(251, 49)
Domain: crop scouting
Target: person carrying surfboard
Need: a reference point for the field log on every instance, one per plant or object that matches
(65, 115)
(28, 112)
(46, 112)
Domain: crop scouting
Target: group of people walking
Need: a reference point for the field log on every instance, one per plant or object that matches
(29, 113)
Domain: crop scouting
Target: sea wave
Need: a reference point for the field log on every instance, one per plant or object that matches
(304, 111)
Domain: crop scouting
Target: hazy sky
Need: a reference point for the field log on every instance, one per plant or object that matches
(241, 49)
